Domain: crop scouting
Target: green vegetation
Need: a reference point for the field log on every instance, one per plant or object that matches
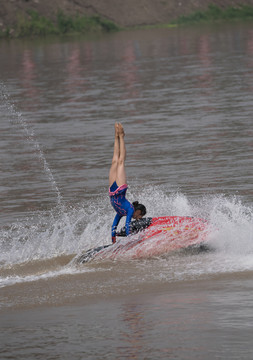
(83, 24)
(214, 13)
(5, 34)
(37, 25)
(34, 24)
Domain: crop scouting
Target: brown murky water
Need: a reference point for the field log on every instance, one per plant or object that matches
(185, 97)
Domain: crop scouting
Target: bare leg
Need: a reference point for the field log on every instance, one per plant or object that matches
(115, 158)
(121, 173)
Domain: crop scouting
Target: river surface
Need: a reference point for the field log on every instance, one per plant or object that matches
(185, 98)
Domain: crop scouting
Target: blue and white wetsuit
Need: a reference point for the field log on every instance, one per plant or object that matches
(122, 207)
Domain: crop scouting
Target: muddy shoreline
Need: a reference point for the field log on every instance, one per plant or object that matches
(125, 13)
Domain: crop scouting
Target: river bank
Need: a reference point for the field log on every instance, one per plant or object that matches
(33, 17)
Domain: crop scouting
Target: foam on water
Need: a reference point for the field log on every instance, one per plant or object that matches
(66, 270)
(74, 230)
(50, 234)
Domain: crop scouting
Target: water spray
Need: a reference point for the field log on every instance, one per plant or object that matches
(17, 118)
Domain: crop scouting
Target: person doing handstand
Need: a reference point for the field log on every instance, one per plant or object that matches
(118, 186)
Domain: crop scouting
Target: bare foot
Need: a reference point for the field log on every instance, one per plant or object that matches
(121, 130)
(116, 127)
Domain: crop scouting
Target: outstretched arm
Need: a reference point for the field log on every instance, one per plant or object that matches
(128, 221)
(114, 227)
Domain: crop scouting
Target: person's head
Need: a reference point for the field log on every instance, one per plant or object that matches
(139, 210)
